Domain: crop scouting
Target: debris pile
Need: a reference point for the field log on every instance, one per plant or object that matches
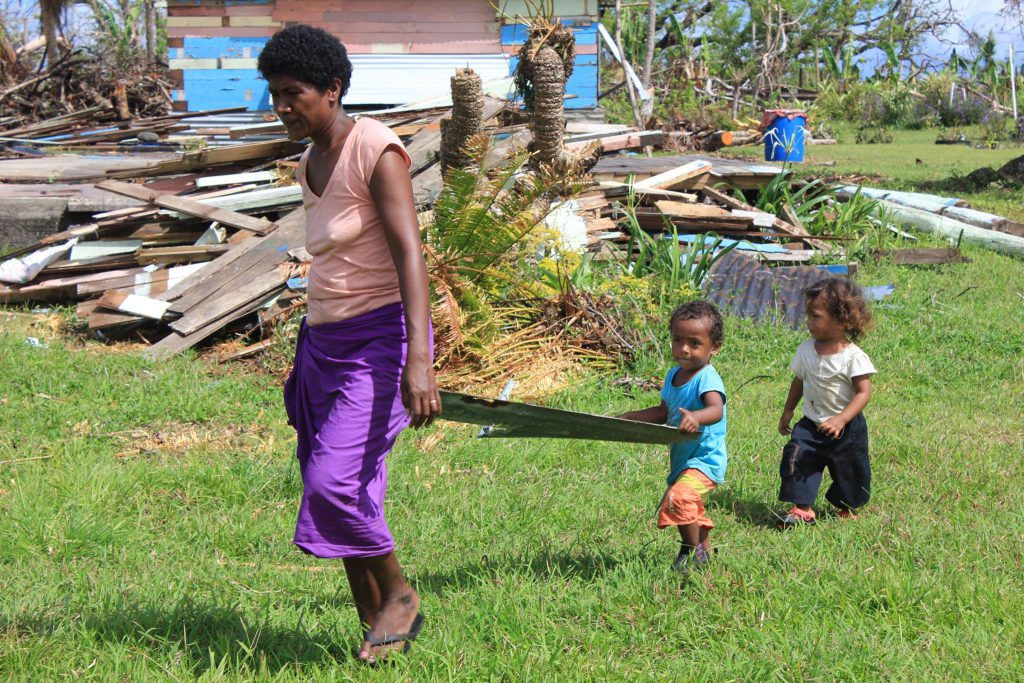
(214, 239)
(75, 88)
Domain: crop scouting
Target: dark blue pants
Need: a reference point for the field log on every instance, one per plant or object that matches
(809, 453)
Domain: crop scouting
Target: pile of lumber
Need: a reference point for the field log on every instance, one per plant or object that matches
(683, 200)
(215, 238)
(96, 128)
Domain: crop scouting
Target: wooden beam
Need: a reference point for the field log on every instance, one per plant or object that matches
(676, 177)
(215, 156)
(134, 304)
(166, 200)
(921, 256)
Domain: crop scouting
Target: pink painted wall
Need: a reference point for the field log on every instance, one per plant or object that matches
(402, 26)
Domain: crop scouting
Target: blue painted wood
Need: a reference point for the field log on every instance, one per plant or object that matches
(219, 88)
(222, 47)
(582, 83)
(515, 34)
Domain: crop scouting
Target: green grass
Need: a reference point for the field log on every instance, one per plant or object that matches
(536, 560)
(894, 166)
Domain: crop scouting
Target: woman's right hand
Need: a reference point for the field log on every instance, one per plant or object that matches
(420, 396)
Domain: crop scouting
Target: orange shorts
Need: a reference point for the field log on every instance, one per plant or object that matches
(684, 501)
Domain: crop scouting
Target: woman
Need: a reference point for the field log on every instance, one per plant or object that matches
(363, 361)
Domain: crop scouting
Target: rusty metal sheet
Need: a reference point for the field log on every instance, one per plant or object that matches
(747, 288)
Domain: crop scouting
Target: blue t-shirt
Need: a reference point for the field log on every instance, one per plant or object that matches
(707, 453)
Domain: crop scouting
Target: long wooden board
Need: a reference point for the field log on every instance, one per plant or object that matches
(167, 200)
(525, 420)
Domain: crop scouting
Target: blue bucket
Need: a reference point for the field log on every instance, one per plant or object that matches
(784, 138)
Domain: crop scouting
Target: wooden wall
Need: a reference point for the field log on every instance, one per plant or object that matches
(403, 48)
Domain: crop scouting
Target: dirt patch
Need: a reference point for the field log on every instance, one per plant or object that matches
(1010, 176)
(1013, 170)
(175, 438)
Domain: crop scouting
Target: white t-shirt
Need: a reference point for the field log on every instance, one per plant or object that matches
(828, 380)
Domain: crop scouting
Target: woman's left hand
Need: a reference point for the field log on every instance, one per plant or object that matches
(420, 396)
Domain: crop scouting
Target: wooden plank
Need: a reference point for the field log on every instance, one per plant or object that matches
(427, 185)
(612, 143)
(236, 179)
(260, 226)
(675, 177)
(221, 274)
(186, 254)
(193, 22)
(524, 420)
(921, 256)
(54, 287)
(176, 343)
(779, 224)
(134, 304)
(613, 188)
(214, 156)
(257, 285)
(99, 318)
(695, 211)
(260, 21)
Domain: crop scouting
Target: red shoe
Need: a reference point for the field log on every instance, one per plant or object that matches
(846, 514)
(796, 517)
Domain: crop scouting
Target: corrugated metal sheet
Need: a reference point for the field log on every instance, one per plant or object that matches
(747, 288)
(403, 78)
(376, 79)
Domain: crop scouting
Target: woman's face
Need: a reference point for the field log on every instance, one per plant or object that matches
(302, 108)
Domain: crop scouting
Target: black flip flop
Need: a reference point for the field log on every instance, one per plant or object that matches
(408, 637)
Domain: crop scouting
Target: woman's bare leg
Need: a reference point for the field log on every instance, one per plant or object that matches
(387, 603)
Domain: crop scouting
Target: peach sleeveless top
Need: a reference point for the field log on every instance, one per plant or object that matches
(352, 270)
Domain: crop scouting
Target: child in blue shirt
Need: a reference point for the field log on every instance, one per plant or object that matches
(693, 400)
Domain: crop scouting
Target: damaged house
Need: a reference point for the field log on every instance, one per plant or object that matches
(402, 51)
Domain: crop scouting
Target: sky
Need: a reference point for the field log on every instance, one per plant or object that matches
(977, 15)
(982, 15)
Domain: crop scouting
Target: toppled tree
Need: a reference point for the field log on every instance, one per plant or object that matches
(465, 122)
(545, 64)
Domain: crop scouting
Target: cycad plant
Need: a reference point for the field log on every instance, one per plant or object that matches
(479, 220)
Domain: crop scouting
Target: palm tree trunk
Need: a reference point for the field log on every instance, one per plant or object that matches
(466, 119)
(548, 113)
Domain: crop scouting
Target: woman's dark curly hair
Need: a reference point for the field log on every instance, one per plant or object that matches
(844, 301)
(701, 310)
(308, 54)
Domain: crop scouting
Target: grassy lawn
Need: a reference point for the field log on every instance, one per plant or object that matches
(911, 162)
(146, 512)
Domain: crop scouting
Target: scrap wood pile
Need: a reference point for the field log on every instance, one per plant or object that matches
(693, 136)
(75, 88)
(216, 237)
(215, 241)
(100, 129)
(690, 199)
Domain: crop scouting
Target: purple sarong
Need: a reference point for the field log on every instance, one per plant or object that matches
(344, 399)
